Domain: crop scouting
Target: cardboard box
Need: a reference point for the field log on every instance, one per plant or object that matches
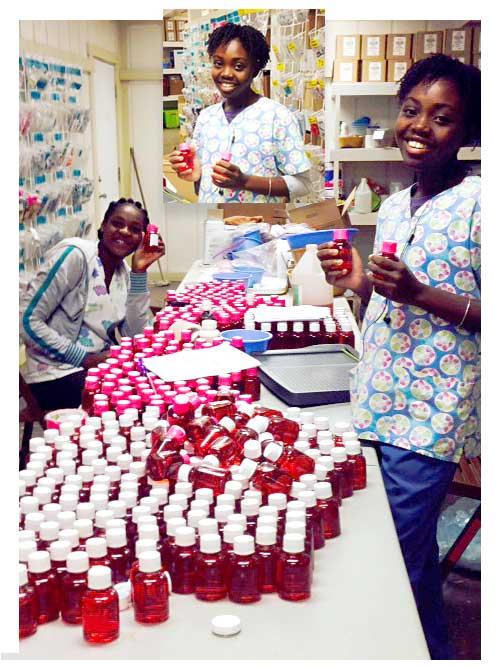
(323, 215)
(427, 43)
(397, 69)
(170, 36)
(176, 84)
(373, 47)
(374, 71)
(399, 47)
(181, 26)
(458, 43)
(476, 40)
(348, 47)
(169, 27)
(346, 71)
(271, 213)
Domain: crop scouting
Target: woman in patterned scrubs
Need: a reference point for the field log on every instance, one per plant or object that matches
(415, 392)
(268, 159)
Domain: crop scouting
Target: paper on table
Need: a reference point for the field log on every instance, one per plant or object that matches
(200, 363)
(289, 313)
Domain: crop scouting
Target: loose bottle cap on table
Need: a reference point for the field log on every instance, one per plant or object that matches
(226, 625)
(99, 577)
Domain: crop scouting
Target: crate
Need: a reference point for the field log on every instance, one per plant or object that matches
(171, 118)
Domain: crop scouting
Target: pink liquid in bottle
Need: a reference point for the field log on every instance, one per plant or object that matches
(197, 428)
(181, 411)
(314, 516)
(28, 605)
(151, 590)
(187, 155)
(388, 250)
(343, 246)
(210, 568)
(243, 571)
(119, 554)
(269, 478)
(100, 609)
(289, 460)
(150, 240)
(343, 469)
(293, 569)
(222, 429)
(284, 430)
(252, 383)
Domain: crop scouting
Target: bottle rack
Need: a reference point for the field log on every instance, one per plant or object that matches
(53, 191)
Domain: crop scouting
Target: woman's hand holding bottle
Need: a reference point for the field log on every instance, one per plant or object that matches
(186, 163)
(142, 259)
(355, 280)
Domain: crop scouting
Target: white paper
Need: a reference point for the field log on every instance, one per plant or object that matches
(200, 363)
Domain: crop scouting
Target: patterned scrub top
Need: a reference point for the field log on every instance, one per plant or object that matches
(417, 385)
(103, 310)
(264, 140)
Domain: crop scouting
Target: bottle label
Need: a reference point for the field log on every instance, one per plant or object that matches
(153, 240)
(296, 294)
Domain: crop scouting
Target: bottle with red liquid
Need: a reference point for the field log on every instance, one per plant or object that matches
(358, 464)
(250, 509)
(298, 337)
(141, 546)
(28, 605)
(187, 155)
(315, 336)
(293, 569)
(224, 428)
(150, 240)
(151, 590)
(197, 428)
(267, 552)
(219, 408)
(243, 571)
(163, 456)
(182, 569)
(205, 476)
(252, 383)
(46, 585)
(314, 516)
(59, 551)
(100, 607)
(91, 387)
(119, 554)
(282, 335)
(388, 250)
(267, 477)
(289, 459)
(341, 240)
(328, 506)
(180, 412)
(73, 587)
(210, 583)
(97, 552)
(343, 469)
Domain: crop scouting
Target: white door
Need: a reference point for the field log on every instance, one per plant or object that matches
(106, 135)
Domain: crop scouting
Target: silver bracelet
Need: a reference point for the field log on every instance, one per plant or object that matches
(269, 187)
(467, 309)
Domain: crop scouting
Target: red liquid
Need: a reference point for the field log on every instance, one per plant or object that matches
(252, 384)
(210, 584)
(293, 576)
(219, 408)
(73, 587)
(344, 254)
(270, 479)
(47, 591)
(295, 463)
(28, 611)
(150, 240)
(330, 511)
(120, 563)
(243, 578)
(317, 522)
(284, 430)
(197, 429)
(100, 616)
(388, 255)
(358, 471)
(267, 411)
(180, 412)
(345, 481)
(213, 433)
(210, 477)
(91, 387)
(187, 156)
(182, 569)
(224, 449)
(100, 561)
(268, 557)
(151, 597)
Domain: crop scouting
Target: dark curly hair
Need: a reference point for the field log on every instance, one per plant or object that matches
(253, 41)
(123, 202)
(466, 78)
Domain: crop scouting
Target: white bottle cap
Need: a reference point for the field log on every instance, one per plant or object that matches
(310, 429)
(86, 473)
(115, 522)
(99, 578)
(29, 535)
(326, 461)
(340, 427)
(222, 511)
(143, 545)
(23, 574)
(172, 511)
(207, 526)
(161, 495)
(210, 542)
(210, 461)
(314, 454)
(112, 474)
(352, 447)
(293, 543)
(277, 499)
(68, 502)
(173, 524)
(32, 521)
(194, 516)
(149, 561)
(148, 531)
(55, 473)
(87, 429)
(129, 498)
(321, 422)
(66, 519)
(292, 516)
(86, 510)
(230, 531)
(237, 519)
(268, 510)
(243, 545)
(50, 511)
(206, 494)
(102, 517)
(320, 472)
(296, 505)
(88, 457)
(267, 521)
(137, 434)
(253, 493)
(323, 490)
(96, 547)
(244, 407)
(22, 487)
(36, 466)
(184, 487)
(252, 449)
(227, 423)
(77, 562)
(50, 435)
(249, 507)
(273, 451)
(226, 625)
(309, 480)
(71, 448)
(86, 439)
(258, 423)
(28, 504)
(338, 454)
(70, 534)
(308, 497)
(195, 461)
(185, 536)
(323, 434)
(125, 420)
(38, 561)
(68, 466)
(201, 504)
(116, 537)
(302, 436)
(296, 488)
(136, 449)
(99, 465)
(60, 549)
(130, 487)
(66, 428)
(226, 499)
(26, 548)
(302, 446)
(137, 467)
(60, 441)
(138, 511)
(118, 508)
(99, 500)
(124, 461)
(183, 475)
(295, 527)
(307, 417)
(233, 488)
(180, 499)
(325, 446)
(85, 528)
(248, 467)
(145, 455)
(119, 442)
(266, 535)
(151, 503)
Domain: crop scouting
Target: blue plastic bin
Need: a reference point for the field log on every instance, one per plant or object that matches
(256, 273)
(254, 341)
(231, 277)
(298, 241)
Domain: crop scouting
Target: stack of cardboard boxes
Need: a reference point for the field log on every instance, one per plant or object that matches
(378, 58)
(173, 29)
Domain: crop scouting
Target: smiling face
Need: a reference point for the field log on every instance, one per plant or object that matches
(123, 230)
(232, 69)
(430, 126)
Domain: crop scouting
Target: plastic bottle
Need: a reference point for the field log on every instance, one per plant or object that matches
(293, 569)
(212, 432)
(309, 286)
(388, 250)
(289, 460)
(205, 476)
(252, 383)
(243, 571)
(28, 605)
(100, 607)
(97, 552)
(59, 551)
(267, 477)
(363, 197)
(150, 240)
(187, 155)
(183, 561)
(328, 506)
(210, 584)
(250, 509)
(119, 554)
(73, 587)
(267, 552)
(315, 516)
(343, 469)
(46, 586)
(358, 464)
(341, 240)
(230, 531)
(151, 590)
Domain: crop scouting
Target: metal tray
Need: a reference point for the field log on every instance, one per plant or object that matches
(316, 375)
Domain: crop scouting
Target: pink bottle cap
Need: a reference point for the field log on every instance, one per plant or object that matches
(390, 247)
(184, 146)
(152, 228)
(341, 234)
(226, 156)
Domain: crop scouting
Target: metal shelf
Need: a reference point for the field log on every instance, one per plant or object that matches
(362, 219)
(173, 45)
(389, 154)
(362, 89)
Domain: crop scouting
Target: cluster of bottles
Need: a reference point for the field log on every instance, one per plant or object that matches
(222, 302)
(296, 334)
(230, 499)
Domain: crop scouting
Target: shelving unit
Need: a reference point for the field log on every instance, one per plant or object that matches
(389, 154)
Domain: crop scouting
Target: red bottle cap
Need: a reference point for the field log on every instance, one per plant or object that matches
(152, 228)
(341, 234)
(390, 247)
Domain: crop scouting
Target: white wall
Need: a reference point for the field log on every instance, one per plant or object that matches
(184, 224)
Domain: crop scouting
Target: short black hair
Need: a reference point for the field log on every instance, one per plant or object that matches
(123, 202)
(466, 78)
(253, 41)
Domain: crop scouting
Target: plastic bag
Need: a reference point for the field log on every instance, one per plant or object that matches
(271, 256)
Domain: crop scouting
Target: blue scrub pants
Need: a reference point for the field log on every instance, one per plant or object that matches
(416, 486)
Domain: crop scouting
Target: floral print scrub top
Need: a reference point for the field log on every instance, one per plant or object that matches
(417, 385)
(264, 140)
